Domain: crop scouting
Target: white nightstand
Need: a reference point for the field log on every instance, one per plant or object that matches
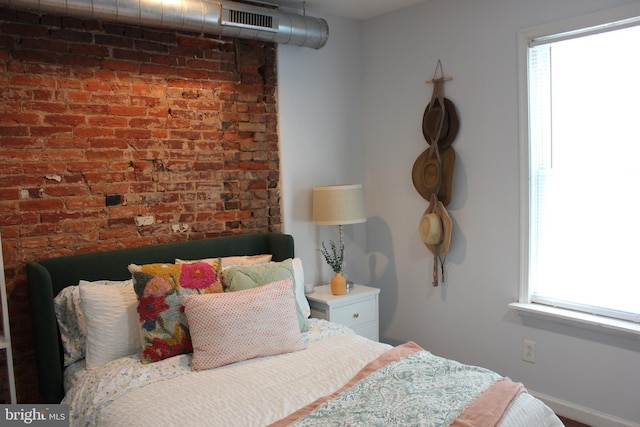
(358, 309)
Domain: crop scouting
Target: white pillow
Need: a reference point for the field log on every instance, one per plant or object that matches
(71, 320)
(111, 320)
(298, 278)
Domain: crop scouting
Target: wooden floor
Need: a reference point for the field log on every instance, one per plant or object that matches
(570, 423)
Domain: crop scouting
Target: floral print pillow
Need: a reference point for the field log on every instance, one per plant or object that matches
(160, 287)
(71, 324)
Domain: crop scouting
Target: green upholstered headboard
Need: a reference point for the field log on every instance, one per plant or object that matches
(47, 277)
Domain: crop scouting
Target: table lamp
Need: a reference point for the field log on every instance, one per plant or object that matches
(338, 205)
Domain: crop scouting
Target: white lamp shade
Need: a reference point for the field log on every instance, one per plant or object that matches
(338, 205)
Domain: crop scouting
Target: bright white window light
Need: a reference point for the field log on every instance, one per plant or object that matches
(584, 171)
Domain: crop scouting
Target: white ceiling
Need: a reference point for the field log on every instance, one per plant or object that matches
(352, 9)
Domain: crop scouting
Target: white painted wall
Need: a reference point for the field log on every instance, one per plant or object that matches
(352, 111)
(320, 102)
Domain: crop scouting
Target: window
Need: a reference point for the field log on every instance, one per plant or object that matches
(580, 86)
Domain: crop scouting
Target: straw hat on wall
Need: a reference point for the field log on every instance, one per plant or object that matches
(435, 229)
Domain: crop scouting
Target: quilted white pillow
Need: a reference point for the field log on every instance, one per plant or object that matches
(71, 320)
(298, 277)
(111, 320)
(234, 326)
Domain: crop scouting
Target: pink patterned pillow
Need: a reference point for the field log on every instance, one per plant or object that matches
(234, 326)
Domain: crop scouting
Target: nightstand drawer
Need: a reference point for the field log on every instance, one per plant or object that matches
(357, 309)
(368, 330)
(354, 315)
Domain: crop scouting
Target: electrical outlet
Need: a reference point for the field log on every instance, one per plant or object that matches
(529, 351)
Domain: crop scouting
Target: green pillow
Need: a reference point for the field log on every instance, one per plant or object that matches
(242, 277)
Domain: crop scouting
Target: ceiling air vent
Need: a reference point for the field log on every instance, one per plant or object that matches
(246, 19)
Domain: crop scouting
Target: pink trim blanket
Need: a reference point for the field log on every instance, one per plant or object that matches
(407, 385)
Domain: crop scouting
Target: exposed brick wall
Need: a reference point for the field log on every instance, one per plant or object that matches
(178, 129)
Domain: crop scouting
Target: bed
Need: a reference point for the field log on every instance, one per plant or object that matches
(254, 357)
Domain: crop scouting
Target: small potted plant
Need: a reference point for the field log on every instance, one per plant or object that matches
(334, 256)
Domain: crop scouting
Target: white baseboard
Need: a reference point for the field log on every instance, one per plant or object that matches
(583, 414)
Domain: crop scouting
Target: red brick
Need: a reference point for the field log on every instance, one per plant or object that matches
(13, 131)
(107, 121)
(83, 202)
(66, 119)
(77, 227)
(166, 135)
(33, 56)
(146, 101)
(65, 190)
(127, 111)
(22, 118)
(183, 84)
(99, 177)
(69, 35)
(133, 133)
(9, 194)
(90, 50)
(109, 143)
(126, 211)
(49, 130)
(193, 74)
(168, 60)
(44, 44)
(31, 80)
(131, 55)
(108, 75)
(127, 222)
(135, 243)
(110, 64)
(42, 230)
(33, 242)
(157, 69)
(44, 168)
(41, 205)
(85, 166)
(57, 217)
(109, 40)
(20, 181)
(82, 61)
(91, 109)
(48, 107)
(11, 169)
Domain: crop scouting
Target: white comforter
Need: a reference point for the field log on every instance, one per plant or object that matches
(252, 393)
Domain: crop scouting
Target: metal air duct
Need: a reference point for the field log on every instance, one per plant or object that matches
(255, 21)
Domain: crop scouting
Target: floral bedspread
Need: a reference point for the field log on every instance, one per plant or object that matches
(410, 387)
(90, 391)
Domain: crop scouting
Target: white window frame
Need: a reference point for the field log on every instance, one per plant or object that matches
(525, 38)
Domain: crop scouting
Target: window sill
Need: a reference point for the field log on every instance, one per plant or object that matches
(590, 321)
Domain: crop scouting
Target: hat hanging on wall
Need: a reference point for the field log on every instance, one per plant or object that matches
(427, 172)
(432, 119)
(432, 172)
(447, 162)
(435, 229)
(430, 229)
